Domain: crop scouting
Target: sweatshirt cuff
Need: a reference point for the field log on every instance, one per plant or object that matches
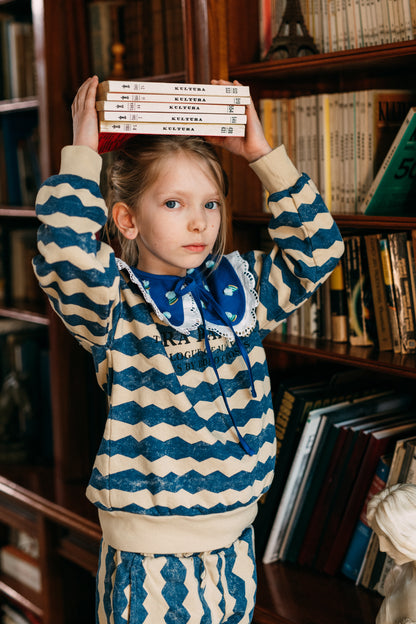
(275, 170)
(82, 161)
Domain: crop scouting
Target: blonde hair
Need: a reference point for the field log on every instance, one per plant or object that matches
(392, 513)
(136, 167)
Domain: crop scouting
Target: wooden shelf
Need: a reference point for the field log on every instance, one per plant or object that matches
(18, 211)
(385, 362)
(291, 595)
(19, 104)
(345, 222)
(377, 58)
(21, 594)
(30, 312)
(37, 490)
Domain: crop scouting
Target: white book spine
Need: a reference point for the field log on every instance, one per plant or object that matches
(127, 86)
(171, 107)
(180, 99)
(182, 118)
(166, 128)
(293, 483)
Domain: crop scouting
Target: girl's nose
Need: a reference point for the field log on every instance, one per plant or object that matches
(197, 220)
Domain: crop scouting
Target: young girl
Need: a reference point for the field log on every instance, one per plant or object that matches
(175, 329)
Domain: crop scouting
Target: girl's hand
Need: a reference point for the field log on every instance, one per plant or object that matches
(253, 145)
(84, 115)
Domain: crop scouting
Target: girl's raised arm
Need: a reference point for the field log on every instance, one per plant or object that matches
(84, 115)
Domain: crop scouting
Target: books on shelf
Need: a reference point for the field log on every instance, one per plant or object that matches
(378, 292)
(405, 306)
(11, 614)
(156, 49)
(370, 298)
(393, 190)
(21, 566)
(18, 75)
(338, 139)
(330, 448)
(375, 563)
(362, 532)
(359, 296)
(293, 401)
(337, 26)
(20, 155)
(168, 116)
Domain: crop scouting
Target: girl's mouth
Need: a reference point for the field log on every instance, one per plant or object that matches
(195, 248)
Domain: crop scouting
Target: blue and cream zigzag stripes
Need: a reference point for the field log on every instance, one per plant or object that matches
(169, 448)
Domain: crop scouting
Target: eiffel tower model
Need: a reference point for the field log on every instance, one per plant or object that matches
(292, 38)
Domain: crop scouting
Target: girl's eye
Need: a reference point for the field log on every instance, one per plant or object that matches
(171, 203)
(211, 205)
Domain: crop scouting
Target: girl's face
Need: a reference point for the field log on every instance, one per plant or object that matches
(178, 217)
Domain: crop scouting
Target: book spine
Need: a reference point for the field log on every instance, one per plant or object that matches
(170, 107)
(174, 118)
(339, 313)
(304, 449)
(401, 283)
(390, 296)
(166, 128)
(126, 86)
(378, 292)
(362, 533)
(179, 99)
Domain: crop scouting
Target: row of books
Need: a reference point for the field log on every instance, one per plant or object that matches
(344, 24)
(339, 440)
(19, 158)
(18, 75)
(370, 298)
(25, 397)
(19, 560)
(134, 107)
(339, 139)
(18, 284)
(151, 32)
(13, 614)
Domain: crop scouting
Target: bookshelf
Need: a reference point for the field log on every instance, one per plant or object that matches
(311, 596)
(220, 39)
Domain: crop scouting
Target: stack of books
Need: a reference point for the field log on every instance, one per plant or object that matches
(129, 107)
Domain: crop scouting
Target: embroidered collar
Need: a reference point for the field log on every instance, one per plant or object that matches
(174, 299)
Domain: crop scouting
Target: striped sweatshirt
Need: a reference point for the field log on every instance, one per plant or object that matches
(170, 474)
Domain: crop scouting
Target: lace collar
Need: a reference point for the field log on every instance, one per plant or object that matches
(226, 294)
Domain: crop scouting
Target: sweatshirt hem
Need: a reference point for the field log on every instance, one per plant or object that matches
(145, 534)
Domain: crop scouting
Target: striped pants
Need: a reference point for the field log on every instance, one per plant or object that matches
(206, 588)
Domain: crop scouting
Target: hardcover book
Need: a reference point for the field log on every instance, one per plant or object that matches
(172, 117)
(170, 107)
(397, 243)
(178, 99)
(126, 86)
(393, 190)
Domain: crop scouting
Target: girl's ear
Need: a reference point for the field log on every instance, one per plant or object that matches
(125, 220)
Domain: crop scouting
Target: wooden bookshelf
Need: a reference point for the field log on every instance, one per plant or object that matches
(288, 593)
(220, 40)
